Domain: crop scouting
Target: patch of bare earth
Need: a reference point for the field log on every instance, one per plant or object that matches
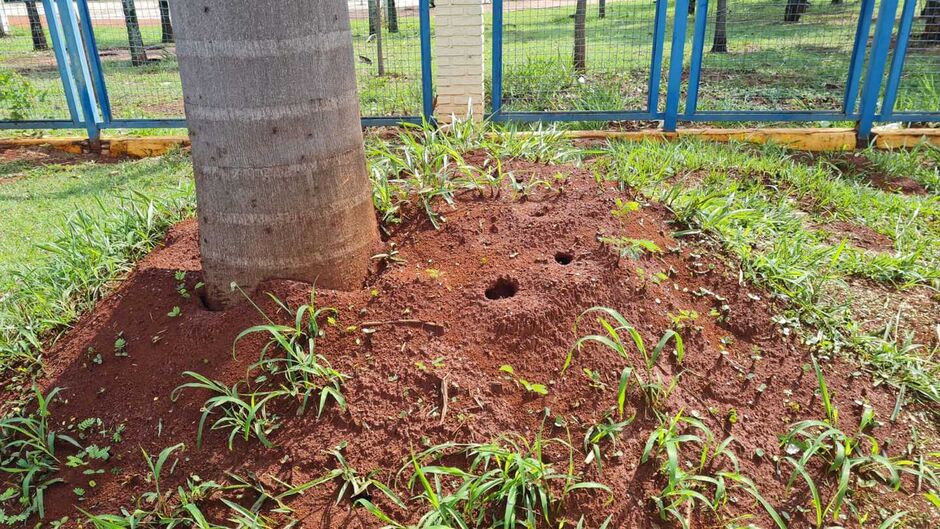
(741, 374)
(875, 306)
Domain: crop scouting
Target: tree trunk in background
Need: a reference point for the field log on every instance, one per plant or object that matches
(392, 16)
(373, 6)
(691, 7)
(166, 25)
(931, 14)
(35, 26)
(720, 43)
(273, 113)
(602, 9)
(795, 10)
(836, 1)
(134, 41)
(580, 45)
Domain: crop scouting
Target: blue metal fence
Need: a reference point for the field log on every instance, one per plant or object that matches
(768, 61)
(92, 54)
(670, 61)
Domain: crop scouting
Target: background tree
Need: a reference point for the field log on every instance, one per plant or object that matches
(931, 15)
(580, 46)
(373, 7)
(392, 14)
(795, 10)
(35, 26)
(720, 42)
(166, 25)
(602, 9)
(691, 7)
(281, 184)
(134, 41)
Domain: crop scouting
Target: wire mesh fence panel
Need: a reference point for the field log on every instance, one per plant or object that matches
(919, 88)
(30, 86)
(777, 55)
(387, 45)
(577, 55)
(138, 57)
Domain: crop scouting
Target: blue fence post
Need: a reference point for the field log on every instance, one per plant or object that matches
(62, 62)
(427, 83)
(862, 29)
(876, 67)
(676, 63)
(656, 62)
(497, 78)
(78, 62)
(94, 62)
(897, 62)
(698, 50)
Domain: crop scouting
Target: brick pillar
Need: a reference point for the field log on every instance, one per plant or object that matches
(458, 55)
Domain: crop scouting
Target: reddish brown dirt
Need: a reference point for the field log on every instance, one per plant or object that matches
(860, 236)
(858, 166)
(396, 373)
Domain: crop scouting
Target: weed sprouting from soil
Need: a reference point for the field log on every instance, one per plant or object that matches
(28, 455)
(653, 385)
(848, 458)
(507, 483)
(289, 365)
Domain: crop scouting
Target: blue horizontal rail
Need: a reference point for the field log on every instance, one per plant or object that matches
(873, 77)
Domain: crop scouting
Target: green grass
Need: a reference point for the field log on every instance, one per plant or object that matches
(35, 199)
(71, 231)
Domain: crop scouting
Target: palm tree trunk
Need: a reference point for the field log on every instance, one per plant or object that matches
(281, 183)
(602, 9)
(134, 41)
(166, 25)
(392, 13)
(35, 26)
(580, 44)
(720, 43)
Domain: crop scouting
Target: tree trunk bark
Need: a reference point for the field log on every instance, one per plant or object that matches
(580, 44)
(35, 26)
(691, 7)
(931, 14)
(602, 9)
(273, 113)
(392, 13)
(134, 41)
(166, 25)
(795, 10)
(720, 43)
(373, 6)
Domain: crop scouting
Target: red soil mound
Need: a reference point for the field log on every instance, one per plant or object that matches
(740, 374)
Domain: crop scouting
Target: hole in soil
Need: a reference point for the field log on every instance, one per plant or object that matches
(564, 258)
(502, 288)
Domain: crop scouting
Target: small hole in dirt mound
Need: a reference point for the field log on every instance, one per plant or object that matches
(502, 288)
(564, 258)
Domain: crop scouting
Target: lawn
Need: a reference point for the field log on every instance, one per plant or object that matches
(38, 193)
(565, 335)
